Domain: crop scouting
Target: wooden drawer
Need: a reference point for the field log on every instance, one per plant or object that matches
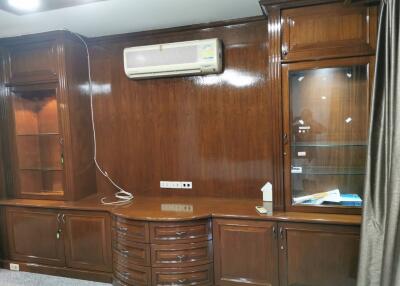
(133, 252)
(199, 275)
(181, 232)
(130, 230)
(331, 30)
(133, 275)
(35, 62)
(181, 255)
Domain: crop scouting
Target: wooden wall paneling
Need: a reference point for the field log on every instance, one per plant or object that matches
(214, 130)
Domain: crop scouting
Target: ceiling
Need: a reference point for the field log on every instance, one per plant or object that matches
(125, 16)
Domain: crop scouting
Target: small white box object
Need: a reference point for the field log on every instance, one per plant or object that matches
(267, 192)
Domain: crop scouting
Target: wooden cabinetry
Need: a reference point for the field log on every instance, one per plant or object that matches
(32, 236)
(245, 252)
(50, 140)
(74, 239)
(162, 253)
(321, 69)
(88, 241)
(318, 255)
(326, 31)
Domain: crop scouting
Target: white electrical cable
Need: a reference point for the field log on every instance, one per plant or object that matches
(121, 195)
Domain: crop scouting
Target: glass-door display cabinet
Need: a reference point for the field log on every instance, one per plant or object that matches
(326, 120)
(39, 144)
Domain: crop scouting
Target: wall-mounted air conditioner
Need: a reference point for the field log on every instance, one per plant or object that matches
(172, 59)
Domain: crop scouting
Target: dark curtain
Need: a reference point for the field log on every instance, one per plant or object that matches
(380, 240)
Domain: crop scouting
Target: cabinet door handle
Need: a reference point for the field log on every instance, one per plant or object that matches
(63, 218)
(58, 234)
(123, 229)
(124, 253)
(285, 138)
(181, 233)
(181, 257)
(281, 232)
(274, 233)
(182, 280)
(59, 218)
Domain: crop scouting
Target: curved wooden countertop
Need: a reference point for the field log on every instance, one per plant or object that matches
(187, 208)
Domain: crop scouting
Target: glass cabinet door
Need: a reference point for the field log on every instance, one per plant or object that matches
(327, 127)
(38, 141)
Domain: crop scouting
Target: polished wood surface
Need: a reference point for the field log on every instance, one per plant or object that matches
(318, 255)
(131, 275)
(332, 30)
(32, 236)
(46, 75)
(196, 275)
(182, 255)
(198, 230)
(153, 209)
(212, 130)
(33, 63)
(246, 252)
(88, 241)
(126, 252)
(45, 5)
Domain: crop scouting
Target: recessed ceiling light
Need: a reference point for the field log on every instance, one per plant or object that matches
(24, 5)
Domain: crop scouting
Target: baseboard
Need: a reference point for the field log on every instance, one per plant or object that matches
(60, 271)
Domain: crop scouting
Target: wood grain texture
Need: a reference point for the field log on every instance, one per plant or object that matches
(88, 241)
(246, 252)
(333, 30)
(306, 255)
(37, 66)
(143, 209)
(212, 130)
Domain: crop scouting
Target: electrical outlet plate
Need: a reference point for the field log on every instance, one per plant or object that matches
(14, 267)
(175, 185)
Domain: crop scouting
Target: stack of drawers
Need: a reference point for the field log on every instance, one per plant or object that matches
(162, 253)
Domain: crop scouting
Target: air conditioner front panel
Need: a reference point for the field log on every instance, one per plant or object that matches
(193, 57)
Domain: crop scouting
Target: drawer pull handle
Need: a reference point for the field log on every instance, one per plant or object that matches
(124, 253)
(182, 280)
(123, 229)
(181, 257)
(125, 274)
(181, 233)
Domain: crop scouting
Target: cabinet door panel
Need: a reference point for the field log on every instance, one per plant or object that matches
(32, 236)
(88, 241)
(245, 252)
(330, 30)
(36, 62)
(319, 255)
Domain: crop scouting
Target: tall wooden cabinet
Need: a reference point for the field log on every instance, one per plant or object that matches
(48, 111)
(321, 68)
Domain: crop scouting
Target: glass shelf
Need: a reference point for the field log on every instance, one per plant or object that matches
(38, 142)
(329, 144)
(324, 170)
